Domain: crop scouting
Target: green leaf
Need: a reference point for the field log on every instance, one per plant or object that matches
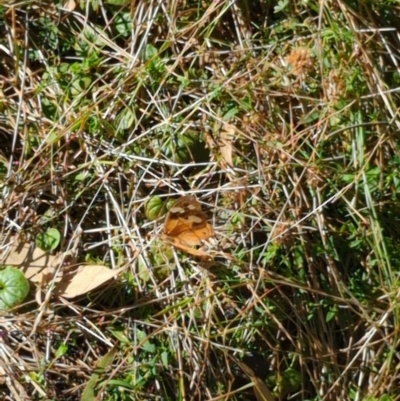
(150, 52)
(124, 24)
(146, 344)
(119, 334)
(386, 398)
(89, 393)
(154, 208)
(49, 240)
(182, 148)
(163, 258)
(165, 358)
(281, 6)
(149, 347)
(291, 381)
(331, 314)
(79, 85)
(61, 350)
(125, 119)
(117, 2)
(143, 273)
(81, 176)
(14, 288)
(230, 113)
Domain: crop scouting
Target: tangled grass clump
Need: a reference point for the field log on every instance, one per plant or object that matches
(281, 118)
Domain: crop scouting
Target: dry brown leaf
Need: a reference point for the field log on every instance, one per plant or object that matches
(85, 279)
(227, 137)
(70, 5)
(37, 265)
(261, 390)
(40, 267)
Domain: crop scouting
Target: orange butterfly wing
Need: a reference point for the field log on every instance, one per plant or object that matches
(186, 223)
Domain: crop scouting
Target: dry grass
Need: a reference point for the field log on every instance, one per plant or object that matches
(282, 118)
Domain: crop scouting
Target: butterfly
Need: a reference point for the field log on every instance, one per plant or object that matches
(186, 226)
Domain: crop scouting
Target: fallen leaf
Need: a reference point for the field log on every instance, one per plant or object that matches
(85, 279)
(70, 5)
(37, 265)
(261, 390)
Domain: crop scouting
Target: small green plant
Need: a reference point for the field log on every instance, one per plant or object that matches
(281, 118)
(14, 287)
(48, 240)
